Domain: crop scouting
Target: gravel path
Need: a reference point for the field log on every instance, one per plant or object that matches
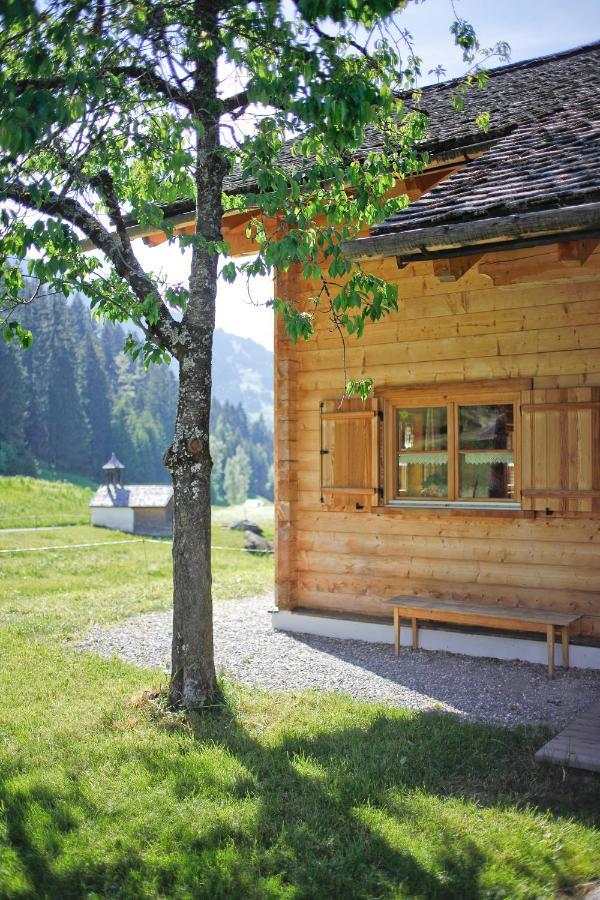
(247, 648)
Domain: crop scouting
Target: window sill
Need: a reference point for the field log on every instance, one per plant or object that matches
(452, 504)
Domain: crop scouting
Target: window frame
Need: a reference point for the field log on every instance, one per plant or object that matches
(452, 397)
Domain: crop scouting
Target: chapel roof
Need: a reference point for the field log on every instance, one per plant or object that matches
(134, 496)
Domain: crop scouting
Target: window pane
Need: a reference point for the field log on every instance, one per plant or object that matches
(486, 427)
(422, 436)
(486, 467)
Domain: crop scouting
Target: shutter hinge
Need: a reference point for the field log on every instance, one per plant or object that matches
(323, 452)
(380, 414)
(380, 493)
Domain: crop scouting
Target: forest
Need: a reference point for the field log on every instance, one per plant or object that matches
(74, 397)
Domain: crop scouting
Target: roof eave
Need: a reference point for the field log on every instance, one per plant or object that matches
(423, 243)
(182, 213)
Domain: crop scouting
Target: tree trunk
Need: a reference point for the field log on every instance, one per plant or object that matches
(193, 669)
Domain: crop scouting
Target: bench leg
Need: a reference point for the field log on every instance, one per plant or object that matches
(397, 631)
(565, 646)
(550, 639)
(415, 635)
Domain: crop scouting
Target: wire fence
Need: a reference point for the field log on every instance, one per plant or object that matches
(166, 543)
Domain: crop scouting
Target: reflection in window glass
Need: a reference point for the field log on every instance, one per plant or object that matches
(486, 467)
(422, 436)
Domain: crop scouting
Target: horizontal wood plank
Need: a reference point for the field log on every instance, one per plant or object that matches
(521, 315)
(578, 745)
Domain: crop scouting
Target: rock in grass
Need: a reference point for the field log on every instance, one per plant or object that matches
(246, 525)
(256, 542)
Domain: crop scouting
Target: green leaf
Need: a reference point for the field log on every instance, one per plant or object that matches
(229, 272)
(13, 330)
(483, 121)
(359, 388)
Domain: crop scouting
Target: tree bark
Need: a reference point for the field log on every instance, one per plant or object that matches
(193, 670)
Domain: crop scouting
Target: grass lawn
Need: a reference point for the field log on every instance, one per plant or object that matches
(105, 794)
(28, 502)
(65, 591)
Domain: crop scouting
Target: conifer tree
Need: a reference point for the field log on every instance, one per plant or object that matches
(237, 477)
(39, 319)
(93, 386)
(69, 432)
(15, 458)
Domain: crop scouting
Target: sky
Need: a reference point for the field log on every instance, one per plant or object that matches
(531, 27)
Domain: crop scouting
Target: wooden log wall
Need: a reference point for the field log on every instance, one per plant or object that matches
(531, 313)
(286, 454)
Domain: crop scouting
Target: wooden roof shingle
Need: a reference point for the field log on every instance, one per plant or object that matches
(544, 156)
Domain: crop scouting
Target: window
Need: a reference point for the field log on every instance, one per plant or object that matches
(453, 449)
(422, 436)
(486, 459)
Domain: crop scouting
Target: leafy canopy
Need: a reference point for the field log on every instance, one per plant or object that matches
(112, 109)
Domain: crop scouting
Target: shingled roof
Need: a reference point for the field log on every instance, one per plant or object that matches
(134, 496)
(540, 154)
(540, 174)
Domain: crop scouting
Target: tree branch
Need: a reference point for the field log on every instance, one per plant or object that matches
(143, 74)
(165, 331)
(235, 102)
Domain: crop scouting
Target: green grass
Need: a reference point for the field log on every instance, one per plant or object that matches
(78, 480)
(68, 590)
(305, 795)
(103, 793)
(28, 502)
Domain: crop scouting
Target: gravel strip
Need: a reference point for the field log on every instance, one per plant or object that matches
(248, 649)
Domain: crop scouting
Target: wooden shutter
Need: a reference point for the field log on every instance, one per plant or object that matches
(561, 450)
(350, 441)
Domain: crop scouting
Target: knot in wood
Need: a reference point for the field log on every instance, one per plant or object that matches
(168, 459)
(194, 447)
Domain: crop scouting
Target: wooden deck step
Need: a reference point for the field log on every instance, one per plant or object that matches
(578, 745)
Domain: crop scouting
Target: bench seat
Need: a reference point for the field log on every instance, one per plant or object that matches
(512, 619)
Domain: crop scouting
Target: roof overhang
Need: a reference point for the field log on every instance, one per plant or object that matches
(485, 235)
(181, 215)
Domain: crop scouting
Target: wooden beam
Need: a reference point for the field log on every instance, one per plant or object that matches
(559, 492)
(543, 224)
(550, 641)
(454, 268)
(576, 253)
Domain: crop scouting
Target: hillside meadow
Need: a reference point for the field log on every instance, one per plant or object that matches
(106, 793)
(30, 502)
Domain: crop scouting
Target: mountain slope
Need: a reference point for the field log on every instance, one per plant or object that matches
(243, 373)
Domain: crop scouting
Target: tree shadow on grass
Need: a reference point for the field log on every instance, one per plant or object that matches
(329, 818)
(372, 807)
(37, 819)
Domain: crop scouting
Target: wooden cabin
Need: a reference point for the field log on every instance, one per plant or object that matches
(473, 473)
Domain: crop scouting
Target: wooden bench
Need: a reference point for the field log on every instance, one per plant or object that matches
(515, 619)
